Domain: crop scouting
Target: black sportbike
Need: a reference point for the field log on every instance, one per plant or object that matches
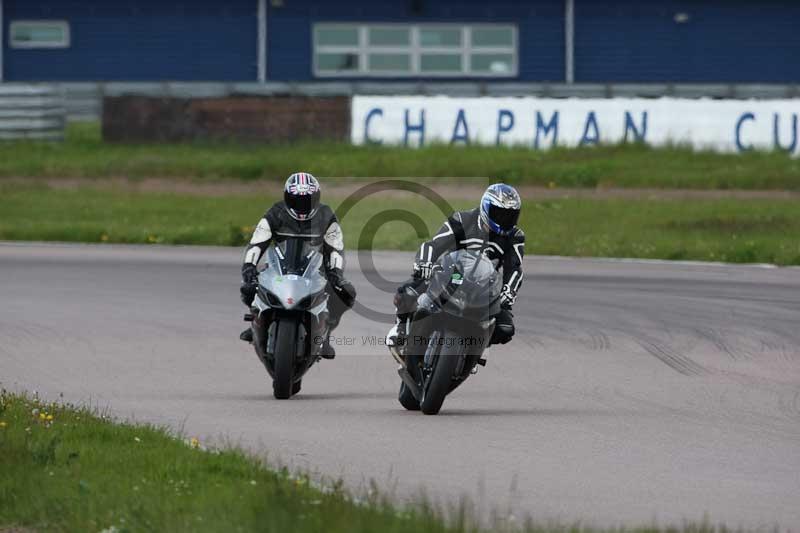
(450, 329)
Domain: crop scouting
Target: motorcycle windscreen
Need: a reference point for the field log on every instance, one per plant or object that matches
(467, 284)
(295, 254)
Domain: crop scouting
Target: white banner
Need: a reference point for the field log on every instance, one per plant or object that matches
(541, 123)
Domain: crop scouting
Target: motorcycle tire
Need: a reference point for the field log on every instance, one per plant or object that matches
(285, 346)
(440, 381)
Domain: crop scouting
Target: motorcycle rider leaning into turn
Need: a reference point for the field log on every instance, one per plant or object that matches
(492, 226)
(301, 214)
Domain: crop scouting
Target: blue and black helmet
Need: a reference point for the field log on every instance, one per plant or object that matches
(500, 207)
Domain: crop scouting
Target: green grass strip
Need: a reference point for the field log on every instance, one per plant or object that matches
(83, 154)
(70, 469)
(728, 230)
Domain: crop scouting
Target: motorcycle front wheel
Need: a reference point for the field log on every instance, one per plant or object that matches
(285, 346)
(440, 380)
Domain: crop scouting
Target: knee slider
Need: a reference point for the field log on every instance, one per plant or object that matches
(405, 300)
(503, 332)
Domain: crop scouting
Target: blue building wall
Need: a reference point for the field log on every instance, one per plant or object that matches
(615, 40)
(721, 41)
(139, 40)
(540, 23)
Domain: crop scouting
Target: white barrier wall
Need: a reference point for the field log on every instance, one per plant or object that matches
(723, 125)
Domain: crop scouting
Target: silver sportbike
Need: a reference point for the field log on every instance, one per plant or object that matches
(289, 313)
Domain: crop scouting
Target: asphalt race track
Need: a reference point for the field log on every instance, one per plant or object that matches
(634, 392)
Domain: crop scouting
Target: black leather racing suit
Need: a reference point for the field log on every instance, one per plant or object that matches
(463, 230)
(323, 231)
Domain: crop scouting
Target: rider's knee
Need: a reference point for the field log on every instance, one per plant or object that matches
(405, 299)
(504, 327)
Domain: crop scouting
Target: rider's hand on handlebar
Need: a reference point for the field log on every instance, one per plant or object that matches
(249, 274)
(425, 269)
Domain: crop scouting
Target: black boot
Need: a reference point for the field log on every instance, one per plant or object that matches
(247, 335)
(327, 351)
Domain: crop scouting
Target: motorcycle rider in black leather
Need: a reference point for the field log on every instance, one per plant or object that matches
(301, 214)
(491, 226)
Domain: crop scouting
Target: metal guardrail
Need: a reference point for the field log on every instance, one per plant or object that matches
(31, 112)
(84, 101)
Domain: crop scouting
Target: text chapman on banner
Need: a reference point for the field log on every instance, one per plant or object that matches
(541, 123)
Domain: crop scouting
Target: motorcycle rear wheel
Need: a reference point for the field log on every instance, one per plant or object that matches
(285, 346)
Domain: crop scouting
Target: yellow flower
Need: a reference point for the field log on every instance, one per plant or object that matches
(49, 418)
(42, 416)
(3, 424)
(194, 443)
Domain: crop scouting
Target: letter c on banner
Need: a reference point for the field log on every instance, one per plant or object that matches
(739, 145)
(504, 126)
(374, 112)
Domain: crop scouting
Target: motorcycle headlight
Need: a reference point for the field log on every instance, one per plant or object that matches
(271, 299)
(311, 301)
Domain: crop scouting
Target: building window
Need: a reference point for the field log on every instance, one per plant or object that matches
(39, 34)
(415, 50)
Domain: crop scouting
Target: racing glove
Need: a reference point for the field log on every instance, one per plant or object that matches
(423, 270)
(507, 297)
(247, 291)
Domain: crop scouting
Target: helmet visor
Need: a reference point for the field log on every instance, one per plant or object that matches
(503, 217)
(302, 204)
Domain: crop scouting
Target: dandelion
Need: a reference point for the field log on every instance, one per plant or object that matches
(194, 443)
(49, 418)
(137, 439)
(42, 416)
(3, 424)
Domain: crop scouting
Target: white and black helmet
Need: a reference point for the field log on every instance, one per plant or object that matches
(301, 195)
(500, 207)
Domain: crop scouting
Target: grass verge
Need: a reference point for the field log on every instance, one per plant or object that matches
(83, 154)
(67, 468)
(707, 229)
